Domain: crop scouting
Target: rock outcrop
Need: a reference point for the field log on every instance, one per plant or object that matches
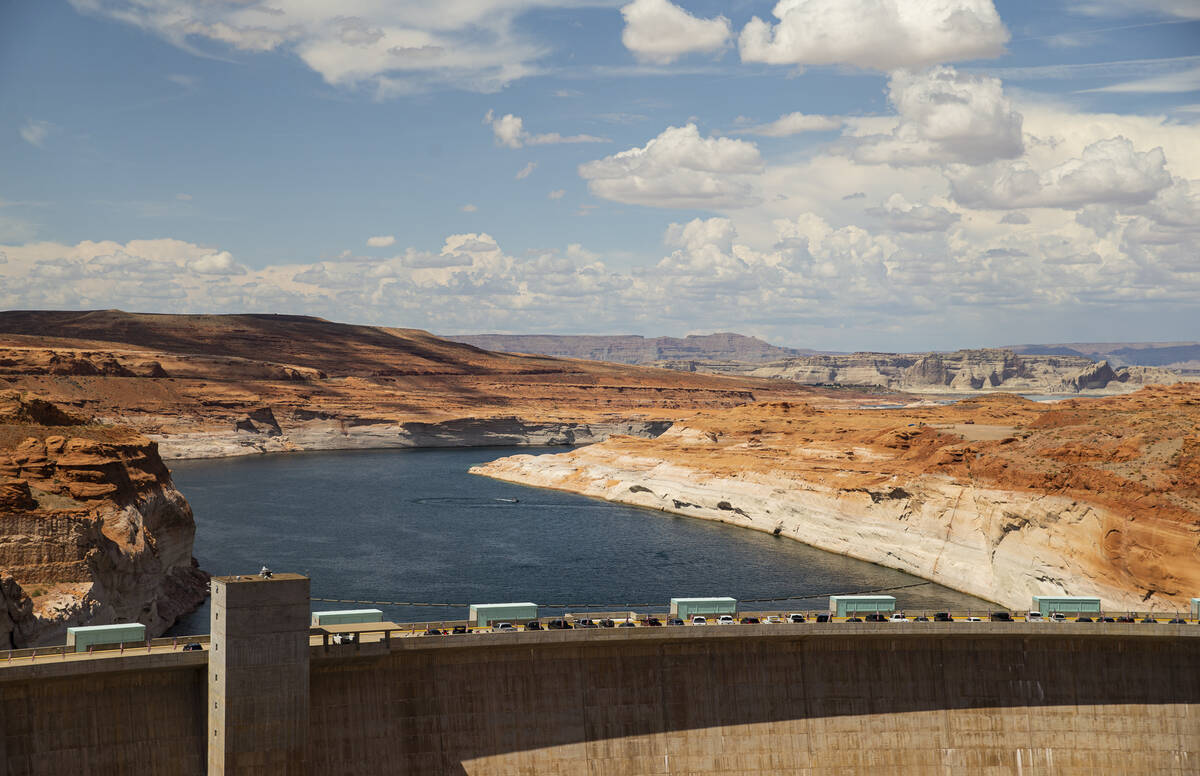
(93, 529)
(966, 371)
(995, 496)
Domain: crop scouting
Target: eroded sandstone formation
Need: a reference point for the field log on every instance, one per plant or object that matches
(996, 496)
(91, 528)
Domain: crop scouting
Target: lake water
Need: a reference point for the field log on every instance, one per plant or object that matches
(414, 526)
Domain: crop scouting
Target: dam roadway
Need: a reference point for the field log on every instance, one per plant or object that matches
(918, 698)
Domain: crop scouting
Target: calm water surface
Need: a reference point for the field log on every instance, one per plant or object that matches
(412, 525)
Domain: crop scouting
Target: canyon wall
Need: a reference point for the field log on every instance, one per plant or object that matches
(965, 371)
(998, 497)
(93, 532)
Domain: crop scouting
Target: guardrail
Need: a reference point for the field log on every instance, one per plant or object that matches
(62, 652)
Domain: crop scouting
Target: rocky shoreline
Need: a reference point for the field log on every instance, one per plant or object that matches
(940, 501)
(461, 432)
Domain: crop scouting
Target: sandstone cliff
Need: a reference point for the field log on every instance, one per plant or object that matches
(965, 371)
(93, 529)
(220, 385)
(995, 496)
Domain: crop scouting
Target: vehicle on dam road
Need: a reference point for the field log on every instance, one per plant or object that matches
(898, 617)
(674, 621)
(725, 619)
(1000, 617)
(875, 617)
(699, 620)
(504, 627)
(559, 625)
(533, 625)
(1034, 617)
(800, 618)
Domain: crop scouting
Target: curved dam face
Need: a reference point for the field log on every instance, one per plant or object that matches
(802, 699)
(926, 698)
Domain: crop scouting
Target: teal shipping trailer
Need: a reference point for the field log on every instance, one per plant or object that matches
(486, 614)
(1065, 604)
(347, 617)
(686, 608)
(84, 636)
(850, 605)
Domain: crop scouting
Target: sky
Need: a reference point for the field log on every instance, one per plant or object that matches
(827, 174)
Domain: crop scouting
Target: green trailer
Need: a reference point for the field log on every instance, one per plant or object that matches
(84, 636)
(687, 608)
(1196, 608)
(486, 614)
(851, 605)
(1065, 604)
(347, 616)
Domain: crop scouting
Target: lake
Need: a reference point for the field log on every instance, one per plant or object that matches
(414, 526)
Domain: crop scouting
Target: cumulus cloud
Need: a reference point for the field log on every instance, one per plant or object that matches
(904, 216)
(381, 241)
(1107, 171)
(791, 124)
(946, 116)
(526, 171)
(34, 131)
(510, 131)
(679, 169)
(220, 263)
(875, 34)
(1014, 218)
(557, 194)
(659, 31)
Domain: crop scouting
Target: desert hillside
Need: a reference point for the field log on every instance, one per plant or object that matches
(216, 385)
(93, 529)
(996, 496)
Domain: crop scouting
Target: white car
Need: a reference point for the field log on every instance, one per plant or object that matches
(795, 618)
(1058, 617)
(772, 620)
(699, 620)
(503, 627)
(972, 619)
(725, 619)
(898, 617)
(1034, 617)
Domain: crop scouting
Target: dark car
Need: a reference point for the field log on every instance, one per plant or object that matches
(1105, 619)
(942, 617)
(654, 622)
(1000, 617)
(820, 618)
(749, 621)
(922, 618)
(797, 618)
(853, 619)
(460, 629)
(674, 621)
(559, 625)
(876, 617)
(586, 623)
(1150, 619)
(434, 632)
(1126, 618)
(1177, 621)
(1083, 618)
(533, 625)
(193, 646)
(606, 623)
(626, 624)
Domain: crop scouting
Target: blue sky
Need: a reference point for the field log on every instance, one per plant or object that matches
(840, 174)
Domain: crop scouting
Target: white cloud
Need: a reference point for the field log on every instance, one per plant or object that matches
(382, 241)
(468, 208)
(35, 132)
(660, 32)
(903, 216)
(1183, 9)
(792, 124)
(510, 131)
(875, 34)
(679, 169)
(557, 194)
(183, 197)
(946, 116)
(220, 263)
(1107, 171)
(1171, 83)
(526, 171)
(390, 47)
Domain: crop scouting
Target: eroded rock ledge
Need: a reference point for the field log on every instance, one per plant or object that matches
(93, 530)
(998, 497)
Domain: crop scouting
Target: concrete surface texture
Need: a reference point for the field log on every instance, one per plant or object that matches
(919, 698)
(258, 675)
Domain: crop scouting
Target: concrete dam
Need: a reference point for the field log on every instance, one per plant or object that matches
(813, 698)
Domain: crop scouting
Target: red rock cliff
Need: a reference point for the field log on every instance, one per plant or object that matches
(92, 530)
